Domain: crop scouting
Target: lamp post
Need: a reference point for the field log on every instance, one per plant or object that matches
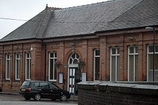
(153, 29)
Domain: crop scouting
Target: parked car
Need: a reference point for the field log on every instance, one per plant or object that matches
(0, 89)
(42, 89)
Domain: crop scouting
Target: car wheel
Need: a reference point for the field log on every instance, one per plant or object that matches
(37, 97)
(27, 98)
(63, 98)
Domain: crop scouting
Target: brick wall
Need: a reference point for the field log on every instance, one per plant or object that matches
(84, 47)
(36, 72)
(105, 93)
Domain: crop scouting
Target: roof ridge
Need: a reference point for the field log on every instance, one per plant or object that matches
(125, 11)
(43, 23)
(38, 27)
(48, 21)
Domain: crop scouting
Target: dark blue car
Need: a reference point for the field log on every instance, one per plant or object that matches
(0, 89)
(43, 89)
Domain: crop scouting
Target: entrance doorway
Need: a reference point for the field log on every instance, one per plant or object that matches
(74, 74)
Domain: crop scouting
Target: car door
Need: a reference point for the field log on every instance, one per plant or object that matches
(55, 91)
(44, 89)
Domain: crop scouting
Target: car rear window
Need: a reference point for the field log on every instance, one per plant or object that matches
(25, 84)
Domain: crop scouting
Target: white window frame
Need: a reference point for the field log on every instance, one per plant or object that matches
(116, 55)
(74, 59)
(8, 66)
(54, 58)
(28, 66)
(96, 56)
(150, 53)
(134, 54)
(17, 66)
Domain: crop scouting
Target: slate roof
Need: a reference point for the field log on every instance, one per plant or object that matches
(88, 19)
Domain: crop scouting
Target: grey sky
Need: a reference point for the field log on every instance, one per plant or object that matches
(26, 9)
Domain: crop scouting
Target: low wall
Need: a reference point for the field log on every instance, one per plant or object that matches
(108, 93)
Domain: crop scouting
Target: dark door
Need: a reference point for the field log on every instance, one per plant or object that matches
(44, 89)
(54, 91)
(77, 79)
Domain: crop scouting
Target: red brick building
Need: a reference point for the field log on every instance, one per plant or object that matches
(107, 41)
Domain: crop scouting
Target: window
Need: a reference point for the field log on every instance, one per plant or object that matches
(133, 63)
(96, 64)
(8, 67)
(52, 68)
(36, 84)
(150, 61)
(53, 86)
(17, 67)
(74, 59)
(26, 83)
(28, 66)
(44, 85)
(114, 64)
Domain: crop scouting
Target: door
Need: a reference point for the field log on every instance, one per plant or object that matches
(74, 78)
(54, 91)
(44, 89)
(74, 74)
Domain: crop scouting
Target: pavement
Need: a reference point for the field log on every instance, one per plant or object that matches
(73, 97)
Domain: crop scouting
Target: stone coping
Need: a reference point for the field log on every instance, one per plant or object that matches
(141, 85)
(121, 87)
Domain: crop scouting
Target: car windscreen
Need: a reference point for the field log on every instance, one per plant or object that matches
(53, 86)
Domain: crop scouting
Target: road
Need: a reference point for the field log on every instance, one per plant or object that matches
(6, 99)
(33, 103)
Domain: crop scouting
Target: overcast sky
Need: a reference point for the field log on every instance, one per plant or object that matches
(14, 13)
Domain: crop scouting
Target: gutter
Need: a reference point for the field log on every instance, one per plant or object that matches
(123, 30)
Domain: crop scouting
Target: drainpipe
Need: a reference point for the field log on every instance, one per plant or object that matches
(44, 47)
(11, 66)
(22, 75)
(2, 66)
(45, 62)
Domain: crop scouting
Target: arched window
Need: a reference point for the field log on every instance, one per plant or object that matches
(74, 58)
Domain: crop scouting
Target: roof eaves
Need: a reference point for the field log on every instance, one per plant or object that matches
(124, 29)
(5, 41)
(68, 38)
